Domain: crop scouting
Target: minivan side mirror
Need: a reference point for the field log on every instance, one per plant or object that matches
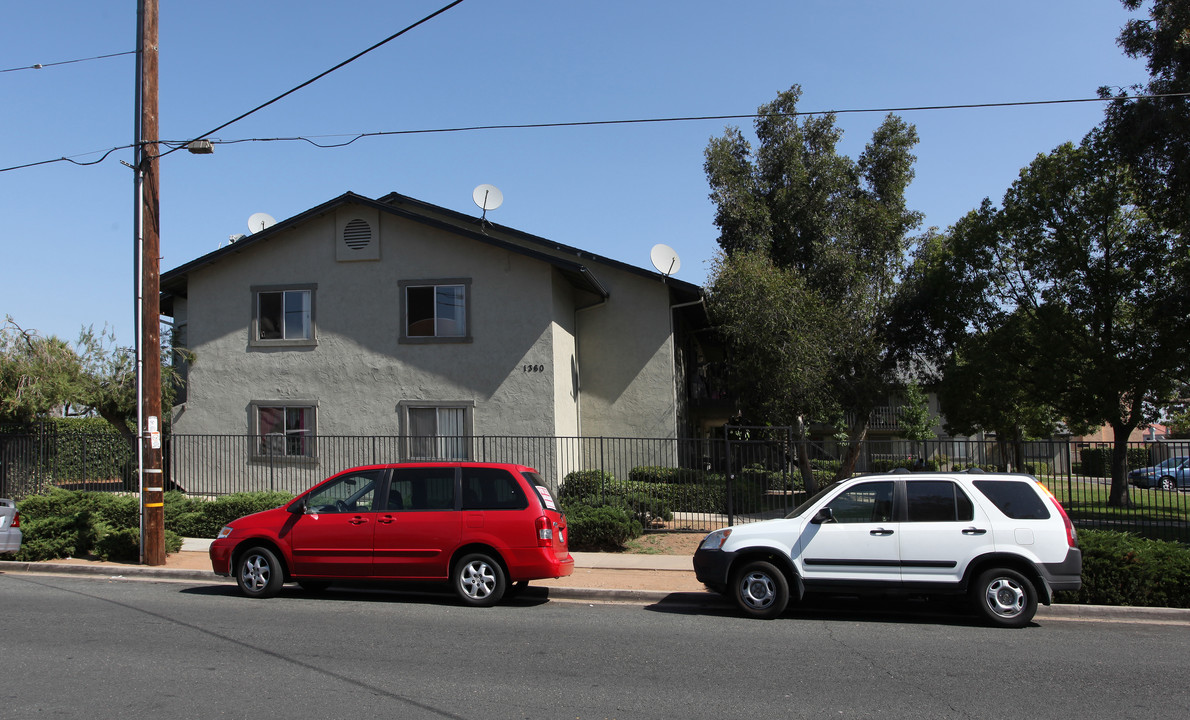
(825, 515)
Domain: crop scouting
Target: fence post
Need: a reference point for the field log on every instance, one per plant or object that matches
(730, 475)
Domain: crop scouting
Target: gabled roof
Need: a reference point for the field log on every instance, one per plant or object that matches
(173, 282)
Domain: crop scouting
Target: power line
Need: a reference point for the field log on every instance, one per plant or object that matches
(321, 75)
(39, 66)
(178, 145)
(641, 121)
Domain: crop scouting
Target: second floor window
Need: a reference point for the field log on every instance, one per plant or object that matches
(283, 315)
(435, 311)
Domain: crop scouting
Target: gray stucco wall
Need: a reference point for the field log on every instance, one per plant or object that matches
(519, 372)
(359, 372)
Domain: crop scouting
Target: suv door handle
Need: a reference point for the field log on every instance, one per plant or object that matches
(880, 531)
(974, 531)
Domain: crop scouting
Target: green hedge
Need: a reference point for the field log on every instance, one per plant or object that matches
(67, 523)
(1096, 462)
(596, 526)
(1124, 569)
(683, 489)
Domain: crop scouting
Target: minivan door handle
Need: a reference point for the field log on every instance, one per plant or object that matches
(880, 531)
(974, 531)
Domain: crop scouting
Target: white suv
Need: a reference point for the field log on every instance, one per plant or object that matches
(1003, 539)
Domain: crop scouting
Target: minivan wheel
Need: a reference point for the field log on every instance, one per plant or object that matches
(760, 589)
(479, 580)
(259, 573)
(1005, 597)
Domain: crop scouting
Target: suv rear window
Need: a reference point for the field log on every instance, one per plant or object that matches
(1016, 499)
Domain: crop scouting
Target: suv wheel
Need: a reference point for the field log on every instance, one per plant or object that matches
(478, 580)
(760, 589)
(259, 573)
(1005, 597)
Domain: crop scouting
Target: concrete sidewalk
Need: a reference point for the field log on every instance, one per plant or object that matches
(641, 579)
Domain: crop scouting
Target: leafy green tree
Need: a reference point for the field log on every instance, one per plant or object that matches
(37, 374)
(1100, 292)
(1150, 126)
(983, 388)
(40, 376)
(916, 421)
(813, 244)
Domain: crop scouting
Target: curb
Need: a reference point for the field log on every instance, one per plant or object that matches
(1088, 613)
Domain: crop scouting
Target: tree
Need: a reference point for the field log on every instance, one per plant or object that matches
(811, 237)
(1152, 133)
(1099, 290)
(916, 421)
(37, 374)
(983, 388)
(43, 375)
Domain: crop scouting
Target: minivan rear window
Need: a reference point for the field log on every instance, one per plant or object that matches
(1015, 498)
(491, 489)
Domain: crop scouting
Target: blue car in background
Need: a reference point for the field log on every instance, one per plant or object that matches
(1167, 475)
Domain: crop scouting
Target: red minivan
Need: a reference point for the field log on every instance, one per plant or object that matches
(484, 527)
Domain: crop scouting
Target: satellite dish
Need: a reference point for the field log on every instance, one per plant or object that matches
(260, 221)
(487, 197)
(665, 259)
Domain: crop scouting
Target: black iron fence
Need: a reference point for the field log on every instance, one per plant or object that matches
(746, 474)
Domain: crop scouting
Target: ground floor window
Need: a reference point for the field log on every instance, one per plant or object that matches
(284, 430)
(438, 432)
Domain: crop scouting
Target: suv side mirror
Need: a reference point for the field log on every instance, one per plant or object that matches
(825, 515)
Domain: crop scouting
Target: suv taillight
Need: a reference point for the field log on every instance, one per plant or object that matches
(1071, 533)
(545, 532)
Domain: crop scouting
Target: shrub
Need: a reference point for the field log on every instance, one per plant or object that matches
(204, 518)
(56, 536)
(600, 527)
(1124, 569)
(123, 545)
(68, 523)
(585, 483)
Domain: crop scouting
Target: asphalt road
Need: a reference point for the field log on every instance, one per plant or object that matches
(88, 647)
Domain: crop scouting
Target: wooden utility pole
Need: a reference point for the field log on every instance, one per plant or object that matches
(148, 252)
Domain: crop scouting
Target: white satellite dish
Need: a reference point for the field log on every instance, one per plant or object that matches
(487, 197)
(665, 259)
(260, 221)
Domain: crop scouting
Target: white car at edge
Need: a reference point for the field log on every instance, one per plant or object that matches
(1002, 539)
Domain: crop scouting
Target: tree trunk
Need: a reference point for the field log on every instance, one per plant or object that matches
(803, 462)
(855, 442)
(1119, 468)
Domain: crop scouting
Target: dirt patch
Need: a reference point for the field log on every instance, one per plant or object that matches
(665, 543)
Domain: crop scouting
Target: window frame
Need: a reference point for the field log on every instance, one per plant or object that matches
(406, 422)
(404, 285)
(254, 339)
(257, 449)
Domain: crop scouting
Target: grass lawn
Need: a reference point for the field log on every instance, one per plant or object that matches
(1157, 514)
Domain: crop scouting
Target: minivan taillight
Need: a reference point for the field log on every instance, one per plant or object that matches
(1071, 533)
(545, 532)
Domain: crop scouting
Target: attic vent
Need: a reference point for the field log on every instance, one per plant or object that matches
(357, 234)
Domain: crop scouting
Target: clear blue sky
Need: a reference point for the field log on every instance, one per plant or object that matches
(617, 191)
